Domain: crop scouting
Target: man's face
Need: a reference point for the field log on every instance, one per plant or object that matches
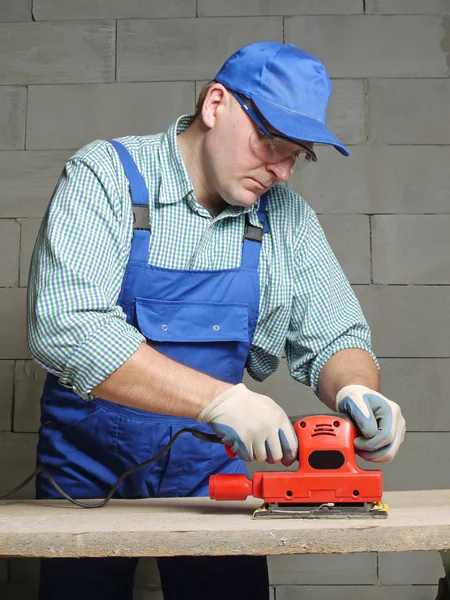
(231, 162)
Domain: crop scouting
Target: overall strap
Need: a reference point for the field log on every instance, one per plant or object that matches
(140, 200)
(253, 236)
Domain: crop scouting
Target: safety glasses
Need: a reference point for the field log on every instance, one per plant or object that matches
(272, 147)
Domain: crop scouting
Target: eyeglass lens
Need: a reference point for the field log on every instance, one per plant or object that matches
(274, 150)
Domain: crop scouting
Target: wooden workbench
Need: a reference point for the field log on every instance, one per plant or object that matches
(418, 520)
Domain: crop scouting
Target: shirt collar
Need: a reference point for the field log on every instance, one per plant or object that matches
(175, 181)
(176, 184)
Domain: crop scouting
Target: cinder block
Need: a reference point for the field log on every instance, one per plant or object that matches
(414, 382)
(322, 569)
(420, 464)
(411, 249)
(70, 116)
(29, 231)
(186, 49)
(13, 323)
(18, 591)
(407, 321)
(13, 101)
(17, 461)
(363, 46)
(58, 10)
(378, 179)
(235, 8)
(15, 10)
(6, 395)
(3, 569)
(349, 592)
(9, 252)
(24, 570)
(390, 123)
(28, 383)
(346, 115)
(349, 237)
(407, 7)
(27, 180)
(409, 568)
(80, 52)
(198, 87)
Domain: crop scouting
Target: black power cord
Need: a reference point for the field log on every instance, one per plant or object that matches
(206, 437)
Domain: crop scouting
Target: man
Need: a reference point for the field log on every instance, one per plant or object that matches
(165, 265)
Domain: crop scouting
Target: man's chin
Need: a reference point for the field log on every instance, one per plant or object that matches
(245, 198)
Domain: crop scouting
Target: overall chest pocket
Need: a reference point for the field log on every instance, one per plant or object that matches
(211, 337)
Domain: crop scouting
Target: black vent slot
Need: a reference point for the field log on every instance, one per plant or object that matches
(326, 459)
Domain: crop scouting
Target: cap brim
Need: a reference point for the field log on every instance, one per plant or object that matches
(298, 127)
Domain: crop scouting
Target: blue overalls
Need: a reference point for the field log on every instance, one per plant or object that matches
(204, 319)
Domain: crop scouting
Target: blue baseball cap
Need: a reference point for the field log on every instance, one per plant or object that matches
(288, 86)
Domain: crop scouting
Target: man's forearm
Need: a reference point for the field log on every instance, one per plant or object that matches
(347, 367)
(150, 381)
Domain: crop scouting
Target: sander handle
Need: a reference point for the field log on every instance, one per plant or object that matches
(214, 439)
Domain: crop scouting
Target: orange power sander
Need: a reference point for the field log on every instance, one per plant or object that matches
(327, 484)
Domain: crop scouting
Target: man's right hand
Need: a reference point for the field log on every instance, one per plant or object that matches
(253, 425)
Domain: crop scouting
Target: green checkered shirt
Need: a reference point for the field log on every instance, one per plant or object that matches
(77, 331)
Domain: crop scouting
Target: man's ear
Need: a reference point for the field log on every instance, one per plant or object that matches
(215, 99)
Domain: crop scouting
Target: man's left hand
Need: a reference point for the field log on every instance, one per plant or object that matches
(379, 420)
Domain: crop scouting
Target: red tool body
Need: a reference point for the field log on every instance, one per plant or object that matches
(327, 475)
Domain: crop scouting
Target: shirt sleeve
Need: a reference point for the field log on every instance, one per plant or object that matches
(76, 330)
(326, 315)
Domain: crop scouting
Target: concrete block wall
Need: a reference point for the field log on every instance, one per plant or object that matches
(75, 70)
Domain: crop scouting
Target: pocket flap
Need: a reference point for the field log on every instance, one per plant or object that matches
(173, 321)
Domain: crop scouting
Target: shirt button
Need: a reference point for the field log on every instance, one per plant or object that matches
(216, 327)
(164, 327)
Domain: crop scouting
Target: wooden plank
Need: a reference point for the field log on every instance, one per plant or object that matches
(418, 520)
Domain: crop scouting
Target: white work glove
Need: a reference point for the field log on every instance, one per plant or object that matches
(379, 420)
(253, 425)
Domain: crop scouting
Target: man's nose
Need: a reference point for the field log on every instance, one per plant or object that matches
(281, 170)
